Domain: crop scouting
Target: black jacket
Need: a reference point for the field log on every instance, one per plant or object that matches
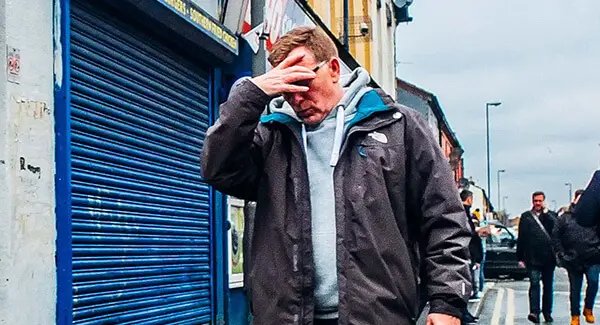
(475, 245)
(575, 245)
(399, 221)
(587, 211)
(534, 247)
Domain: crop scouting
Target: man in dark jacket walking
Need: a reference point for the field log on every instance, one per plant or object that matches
(475, 249)
(578, 251)
(534, 252)
(357, 209)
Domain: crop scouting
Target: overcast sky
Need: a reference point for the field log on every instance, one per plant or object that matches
(541, 59)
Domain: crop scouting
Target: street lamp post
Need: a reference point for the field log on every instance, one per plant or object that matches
(487, 126)
(570, 191)
(554, 203)
(499, 171)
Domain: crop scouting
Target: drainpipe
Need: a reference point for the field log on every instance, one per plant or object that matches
(346, 27)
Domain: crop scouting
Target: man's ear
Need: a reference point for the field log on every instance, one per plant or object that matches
(335, 69)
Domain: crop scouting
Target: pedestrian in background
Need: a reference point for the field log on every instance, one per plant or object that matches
(534, 251)
(578, 251)
(587, 213)
(356, 206)
(475, 249)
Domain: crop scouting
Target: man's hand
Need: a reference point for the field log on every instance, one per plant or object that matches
(483, 232)
(441, 319)
(281, 78)
(522, 264)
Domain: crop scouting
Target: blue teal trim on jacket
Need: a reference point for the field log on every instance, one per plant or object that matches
(369, 104)
(278, 118)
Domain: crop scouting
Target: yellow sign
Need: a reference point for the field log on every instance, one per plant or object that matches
(203, 21)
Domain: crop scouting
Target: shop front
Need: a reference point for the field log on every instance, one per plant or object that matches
(140, 235)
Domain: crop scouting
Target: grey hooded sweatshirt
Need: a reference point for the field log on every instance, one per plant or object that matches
(322, 144)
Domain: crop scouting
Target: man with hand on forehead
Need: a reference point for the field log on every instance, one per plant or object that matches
(357, 210)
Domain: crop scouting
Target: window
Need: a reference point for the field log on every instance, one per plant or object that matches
(236, 239)
(500, 236)
(212, 7)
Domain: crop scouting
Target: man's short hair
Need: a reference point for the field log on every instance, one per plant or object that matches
(578, 193)
(465, 194)
(314, 39)
(538, 193)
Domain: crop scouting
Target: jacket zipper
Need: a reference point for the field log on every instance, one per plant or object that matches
(297, 248)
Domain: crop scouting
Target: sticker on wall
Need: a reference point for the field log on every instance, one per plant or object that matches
(13, 57)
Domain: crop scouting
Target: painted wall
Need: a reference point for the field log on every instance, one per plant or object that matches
(382, 53)
(27, 218)
(374, 52)
(239, 314)
(478, 199)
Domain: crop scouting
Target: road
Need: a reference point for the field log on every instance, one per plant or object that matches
(506, 302)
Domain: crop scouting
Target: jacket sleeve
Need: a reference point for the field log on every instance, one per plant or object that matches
(587, 211)
(522, 238)
(232, 154)
(444, 230)
(557, 235)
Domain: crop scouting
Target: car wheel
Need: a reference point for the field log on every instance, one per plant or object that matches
(518, 277)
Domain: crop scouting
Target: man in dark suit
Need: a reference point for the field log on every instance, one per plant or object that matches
(475, 250)
(534, 252)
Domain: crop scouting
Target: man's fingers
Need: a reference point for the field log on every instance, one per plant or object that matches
(293, 89)
(298, 76)
(296, 68)
(291, 60)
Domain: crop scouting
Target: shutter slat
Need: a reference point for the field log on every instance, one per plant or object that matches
(95, 263)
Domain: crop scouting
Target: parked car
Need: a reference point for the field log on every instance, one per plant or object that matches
(501, 253)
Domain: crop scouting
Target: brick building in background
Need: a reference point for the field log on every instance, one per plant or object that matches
(428, 105)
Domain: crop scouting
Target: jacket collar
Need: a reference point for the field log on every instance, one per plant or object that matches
(370, 104)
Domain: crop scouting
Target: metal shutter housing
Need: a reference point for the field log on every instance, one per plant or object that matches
(141, 227)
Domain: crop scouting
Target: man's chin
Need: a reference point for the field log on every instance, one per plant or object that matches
(312, 120)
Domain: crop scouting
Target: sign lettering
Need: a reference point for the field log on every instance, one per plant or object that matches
(201, 20)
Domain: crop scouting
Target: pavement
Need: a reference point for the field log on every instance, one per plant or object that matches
(506, 302)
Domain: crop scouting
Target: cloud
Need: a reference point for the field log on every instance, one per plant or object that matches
(541, 59)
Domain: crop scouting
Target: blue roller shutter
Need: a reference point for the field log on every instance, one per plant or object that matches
(141, 212)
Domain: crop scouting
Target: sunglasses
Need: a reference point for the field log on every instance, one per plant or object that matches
(306, 82)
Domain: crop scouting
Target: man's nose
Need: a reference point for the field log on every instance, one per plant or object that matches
(295, 99)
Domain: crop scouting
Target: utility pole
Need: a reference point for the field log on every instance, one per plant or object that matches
(499, 171)
(487, 126)
(570, 192)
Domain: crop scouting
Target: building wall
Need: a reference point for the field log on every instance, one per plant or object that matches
(383, 50)
(415, 102)
(478, 199)
(27, 201)
(446, 145)
(376, 51)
